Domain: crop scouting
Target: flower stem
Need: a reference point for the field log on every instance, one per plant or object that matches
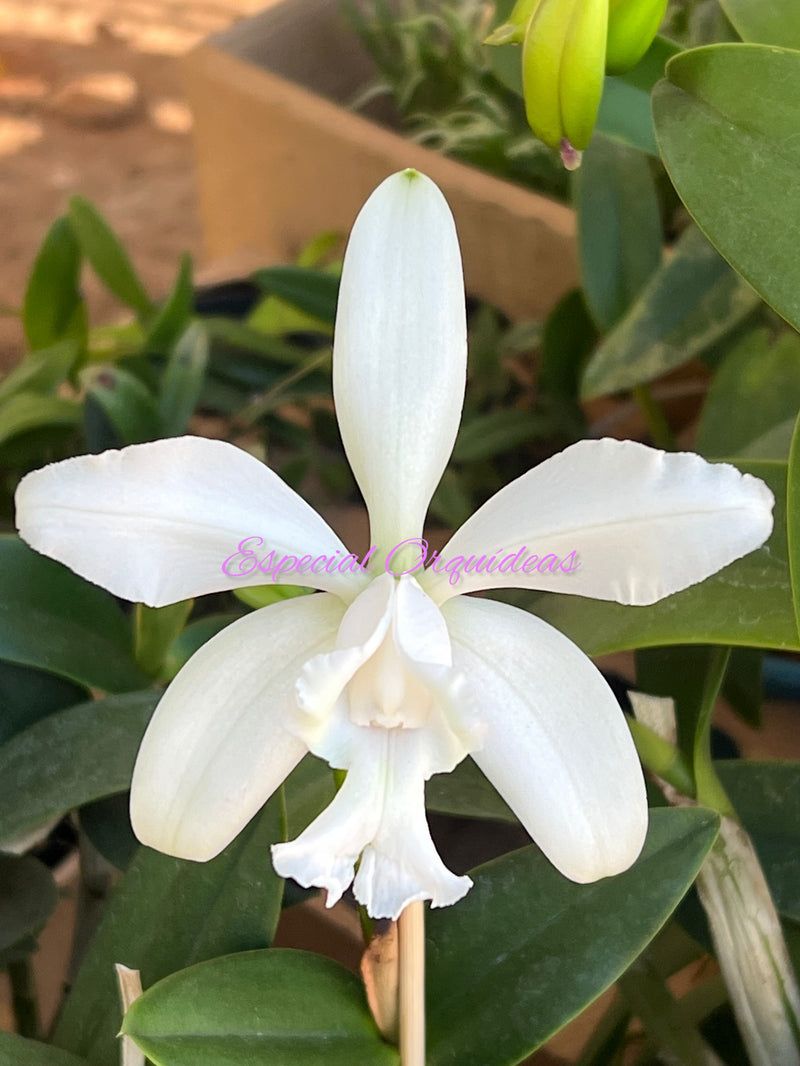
(411, 931)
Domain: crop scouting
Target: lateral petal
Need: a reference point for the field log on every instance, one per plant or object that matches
(642, 524)
(400, 349)
(556, 747)
(156, 522)
(219, 743)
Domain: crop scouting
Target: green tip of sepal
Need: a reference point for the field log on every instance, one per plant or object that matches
(508, 33)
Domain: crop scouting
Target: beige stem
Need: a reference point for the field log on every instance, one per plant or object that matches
(411, 930)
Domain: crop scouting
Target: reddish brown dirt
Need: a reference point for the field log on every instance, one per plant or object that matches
(137, 168)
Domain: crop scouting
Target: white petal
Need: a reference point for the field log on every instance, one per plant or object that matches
(156, 522)
(557, 747)
(379, 813)
(643, 524)
(218, 744)
(400, 347)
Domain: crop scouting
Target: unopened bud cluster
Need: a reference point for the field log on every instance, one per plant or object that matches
(568, 46)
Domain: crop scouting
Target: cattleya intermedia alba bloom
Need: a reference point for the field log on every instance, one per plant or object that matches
(392, 679)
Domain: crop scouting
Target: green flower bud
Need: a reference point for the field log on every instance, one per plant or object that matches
(563, 66)
(632, 25)
(513, 31)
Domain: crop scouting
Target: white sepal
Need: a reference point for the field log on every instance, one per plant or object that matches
(400, 351)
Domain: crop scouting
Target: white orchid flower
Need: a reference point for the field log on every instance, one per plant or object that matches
(393, 678)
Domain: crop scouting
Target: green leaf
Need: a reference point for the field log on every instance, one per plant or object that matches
(748, 603)
(24, 411)
(690, 303)
(183, 380)
(484, 436)
(108, 258)
(107, 824)
(743, 685)
(172, 319)
(69, 758)
(625, 111)
(28, 897)
(127, 404)
(54, 620)
(729, 132)
(766, 796)
(308, 790)
(281, 1006)
(776, 22)
(169, 913)
(619, 227)
(27, 695)
(465, 792)
(756, 386)
(53, 308)
(557, 945)
(155, 630)
(312, 291)
(567, 339)
(193, 637)
(40, 371)
(17, 1051)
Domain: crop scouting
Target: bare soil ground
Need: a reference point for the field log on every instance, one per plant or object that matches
(131, 155)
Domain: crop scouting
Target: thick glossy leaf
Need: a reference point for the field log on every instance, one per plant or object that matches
(676, 672)
(24, 411)
(466, 792)
(108, 258)
(125, 401)
(183, 380)
(173, 317)
(625, 112)
(312, 291)
(748, 603)
(287, 1007)
(756, 386)
(308, 789)
(534, 949)
(743, 686)
(69, 758)
(766, 796)
(169, 913)
(729, 132)
(691, 676)
(40, 371)
(619, 227)
(776, 22)
(28, 897)
(194, 636)
(26, 695)
(107, 824)
(54, 308)
(690, 303)
(17, 1051)
(54, 620)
